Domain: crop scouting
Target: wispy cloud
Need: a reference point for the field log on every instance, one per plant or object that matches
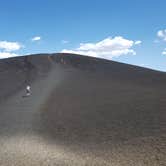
(162, 35)
(144, 65)
(64, 41)
(138, 42)
(156, 41)
(36, 38)
(107, 48)
(164, 52)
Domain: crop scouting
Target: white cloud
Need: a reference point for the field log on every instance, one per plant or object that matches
(162, 34)
(164, 52)
(7, 49)
(107, 48)
(9, 46)
(7, 55)
(138, 42)
(36, 38)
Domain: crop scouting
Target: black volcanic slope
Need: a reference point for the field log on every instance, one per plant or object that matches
(82, 111)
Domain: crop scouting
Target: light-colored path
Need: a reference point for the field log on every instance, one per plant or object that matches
(20, 145)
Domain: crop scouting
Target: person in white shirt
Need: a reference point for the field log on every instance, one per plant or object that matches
(28, 90)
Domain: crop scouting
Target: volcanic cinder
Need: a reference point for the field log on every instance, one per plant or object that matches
(83, 111)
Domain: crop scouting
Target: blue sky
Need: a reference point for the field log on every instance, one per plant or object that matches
(129, 31)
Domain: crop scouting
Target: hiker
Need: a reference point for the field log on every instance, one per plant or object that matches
(28, 90)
